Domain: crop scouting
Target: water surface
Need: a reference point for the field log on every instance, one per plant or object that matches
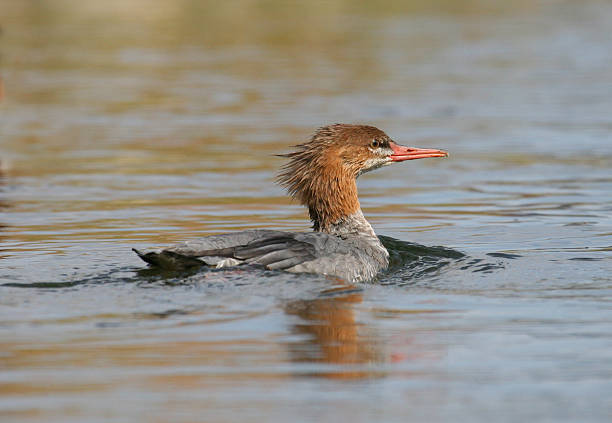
(144, 123)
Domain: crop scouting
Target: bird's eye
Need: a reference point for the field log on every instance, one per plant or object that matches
(375, 144)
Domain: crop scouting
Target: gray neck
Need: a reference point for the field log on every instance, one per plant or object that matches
(355, 224)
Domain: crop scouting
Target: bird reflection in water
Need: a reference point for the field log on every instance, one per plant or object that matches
(334, 336)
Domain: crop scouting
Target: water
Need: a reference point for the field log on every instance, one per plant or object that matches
(144, 123)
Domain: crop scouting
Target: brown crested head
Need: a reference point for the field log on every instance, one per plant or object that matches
(321, 173)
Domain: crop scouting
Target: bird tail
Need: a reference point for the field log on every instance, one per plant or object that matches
(169, 260)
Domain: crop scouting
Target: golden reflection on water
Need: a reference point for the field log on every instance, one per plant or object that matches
(334, 339)
(333, 333)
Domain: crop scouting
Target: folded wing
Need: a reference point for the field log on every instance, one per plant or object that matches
(273, 249)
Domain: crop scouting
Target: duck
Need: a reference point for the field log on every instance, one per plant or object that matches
(322, 175)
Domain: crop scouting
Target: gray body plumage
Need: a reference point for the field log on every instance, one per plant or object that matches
(352, 257)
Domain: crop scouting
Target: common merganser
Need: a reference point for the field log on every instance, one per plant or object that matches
(321, 175)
